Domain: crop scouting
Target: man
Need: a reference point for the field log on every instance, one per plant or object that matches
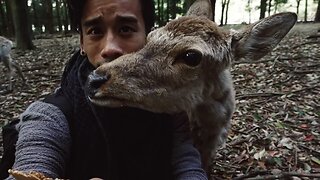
(67, 137)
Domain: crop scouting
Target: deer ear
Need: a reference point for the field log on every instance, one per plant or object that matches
(201, 8)
(260, 38)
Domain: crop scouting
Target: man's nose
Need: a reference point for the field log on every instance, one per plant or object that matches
(112, 48)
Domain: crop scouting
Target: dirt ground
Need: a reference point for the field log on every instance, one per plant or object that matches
(275, 128)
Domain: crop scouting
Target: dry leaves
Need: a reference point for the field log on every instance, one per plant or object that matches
(276, 126)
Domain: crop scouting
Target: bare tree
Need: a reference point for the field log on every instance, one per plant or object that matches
(223, 5)
(317, 18)
(269, 7)
(8, 22)
(21, 24)
(47, 4)
(58, 4)
(298, 5)
(213, 6)
(227, 10)
(306, 12)
(248, 8)
(263, 8)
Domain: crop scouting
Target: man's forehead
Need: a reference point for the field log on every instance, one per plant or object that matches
(108, 8)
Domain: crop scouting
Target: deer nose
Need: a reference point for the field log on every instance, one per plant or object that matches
(95, 81)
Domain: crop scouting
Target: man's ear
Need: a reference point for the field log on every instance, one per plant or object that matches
(260, 38)
(81, 42)
(201, 8)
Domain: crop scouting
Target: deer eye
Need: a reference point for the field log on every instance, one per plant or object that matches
(191, 58)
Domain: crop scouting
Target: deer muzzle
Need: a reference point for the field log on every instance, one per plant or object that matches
(94, 82)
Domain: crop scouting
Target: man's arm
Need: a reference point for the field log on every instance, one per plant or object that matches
(44, 140)
(186, 158)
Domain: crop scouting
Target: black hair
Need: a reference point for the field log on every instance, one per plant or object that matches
(147, 8)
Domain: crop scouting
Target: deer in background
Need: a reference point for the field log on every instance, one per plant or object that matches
(5, 57)
(185, 67)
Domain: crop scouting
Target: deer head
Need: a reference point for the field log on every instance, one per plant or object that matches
(182, 60)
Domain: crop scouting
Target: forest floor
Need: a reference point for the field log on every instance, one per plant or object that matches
(275, 128)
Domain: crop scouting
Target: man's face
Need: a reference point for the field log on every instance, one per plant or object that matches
(111, 28)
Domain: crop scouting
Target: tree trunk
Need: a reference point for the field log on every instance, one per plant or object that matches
(9, 20)
(298, 6)
(317, 17)
(168, 10)
(48, 23)
(306, 12)
(269, 7)
(3, 23)
(186, 5)
(36, 21)
(227, 10)
(213, 5)
(158, 13)
(173, 9)
(58, 15)
(21, 24)
(249, 9)
(263, 8)
(162, 13)
(66, 18)
(223, 5)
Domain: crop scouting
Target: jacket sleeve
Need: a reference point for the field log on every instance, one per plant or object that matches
(186, 158)
(44, 140)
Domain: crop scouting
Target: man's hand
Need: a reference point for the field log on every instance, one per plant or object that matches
(20, 175)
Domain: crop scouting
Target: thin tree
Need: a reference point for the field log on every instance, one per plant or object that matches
(269, 7)
(173, 9)
(223, 6)
(248, 8)
(306, 12)
(35, 16)
(48, 23)
(66, 20)
(168, 10)
(58, 16)
(227, 10)
(298, 6)
(21, 21)
(9, 20)
(317, 17)
(263, 8)
(162, 22)
(3, 23)
(213, 6)
(158, 12)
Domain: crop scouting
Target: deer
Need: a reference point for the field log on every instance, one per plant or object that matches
(185, 67)
(6, 46)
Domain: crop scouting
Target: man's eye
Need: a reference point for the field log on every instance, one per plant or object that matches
(126, 29)
(94, 31)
